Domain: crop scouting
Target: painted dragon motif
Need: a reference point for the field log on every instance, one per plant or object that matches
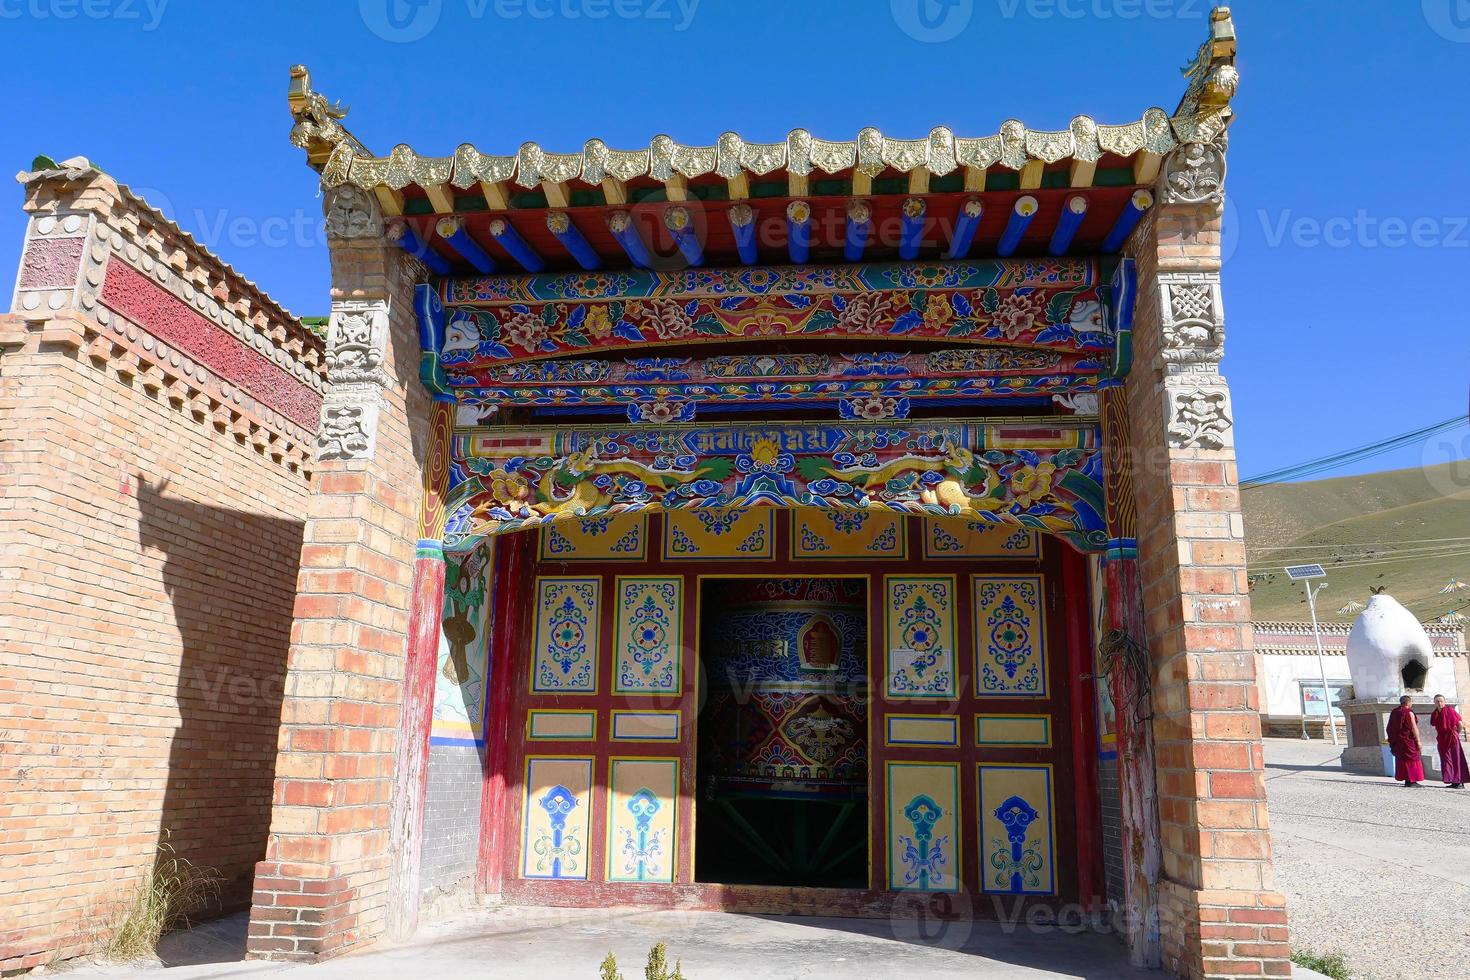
(904, 477)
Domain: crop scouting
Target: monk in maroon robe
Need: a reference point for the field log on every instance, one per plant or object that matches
(1447, 729)
(1403, 741)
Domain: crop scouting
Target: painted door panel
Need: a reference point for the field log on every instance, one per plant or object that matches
(604, 680)
(971, 775)
(1002, 723)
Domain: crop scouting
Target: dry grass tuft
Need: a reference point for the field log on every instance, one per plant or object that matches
(163, 901)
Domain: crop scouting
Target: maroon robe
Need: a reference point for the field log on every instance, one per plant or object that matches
(1403, 741)
(1446, 722)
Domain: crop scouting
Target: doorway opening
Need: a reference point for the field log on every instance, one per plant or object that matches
(782, 759)
(1413, 674)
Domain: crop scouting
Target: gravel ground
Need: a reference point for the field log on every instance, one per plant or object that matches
(1370, 869)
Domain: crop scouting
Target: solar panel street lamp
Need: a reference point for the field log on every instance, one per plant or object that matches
(1305, 574)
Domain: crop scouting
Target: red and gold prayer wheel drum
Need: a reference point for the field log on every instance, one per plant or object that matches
(786, 669)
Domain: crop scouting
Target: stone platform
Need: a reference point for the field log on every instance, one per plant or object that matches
(1367, 724)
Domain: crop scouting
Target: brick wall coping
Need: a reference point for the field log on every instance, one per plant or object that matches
(147, 237)
(188, 387)
(1278, 637)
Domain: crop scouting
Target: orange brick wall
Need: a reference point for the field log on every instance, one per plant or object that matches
(149, 534)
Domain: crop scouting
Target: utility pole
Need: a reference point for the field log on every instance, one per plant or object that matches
(1305, 574)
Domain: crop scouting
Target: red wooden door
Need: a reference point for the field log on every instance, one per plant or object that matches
(979, 738)
(602, 763)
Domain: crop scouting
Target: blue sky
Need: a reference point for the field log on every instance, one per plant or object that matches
(1347, 242)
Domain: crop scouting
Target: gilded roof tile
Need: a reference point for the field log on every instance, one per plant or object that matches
(728, 150)
(762, 158)
(1158, 137)
(905, 155)
(869, 152)
(979, 152)
(799, 152)
(471, 166)
(1085, 146)
(830, 157)
(941, 159)
(1201, 117)
(694, 161)
(1013, 144)
(1122, 140)
(1049, 147)
(627, 164)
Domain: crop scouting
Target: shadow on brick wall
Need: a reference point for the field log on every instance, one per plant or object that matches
(231, 579)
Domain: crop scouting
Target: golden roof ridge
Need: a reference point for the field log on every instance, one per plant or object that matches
(1202, 116)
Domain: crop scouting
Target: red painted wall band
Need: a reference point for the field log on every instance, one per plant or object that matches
(170, 319)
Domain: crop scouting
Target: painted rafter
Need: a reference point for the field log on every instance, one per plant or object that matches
(722, 283)
(1044, 474)
(955, 362)
(562, 396)
(946, 374)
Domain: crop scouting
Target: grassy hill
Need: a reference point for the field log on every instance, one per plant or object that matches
(1408, 530)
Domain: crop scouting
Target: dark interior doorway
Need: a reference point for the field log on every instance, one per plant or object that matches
(783, 732)
(1413, 674)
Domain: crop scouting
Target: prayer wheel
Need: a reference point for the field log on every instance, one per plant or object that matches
(786, 668)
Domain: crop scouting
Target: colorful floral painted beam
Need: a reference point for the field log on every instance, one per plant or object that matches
(1051, 304)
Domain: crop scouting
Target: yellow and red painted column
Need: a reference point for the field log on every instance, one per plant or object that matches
(1128, 683)
(426, 612)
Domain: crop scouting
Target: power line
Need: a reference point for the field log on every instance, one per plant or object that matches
(1360, 555)
(1357, 454)
(1307, 554)
(1356, 551)
(1385, 561)
(1361, 452)
(1352, 544)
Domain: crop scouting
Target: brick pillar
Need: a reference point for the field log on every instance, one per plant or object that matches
(323, 885)
(1219, 912)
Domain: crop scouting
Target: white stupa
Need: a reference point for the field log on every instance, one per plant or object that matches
(1388, 651)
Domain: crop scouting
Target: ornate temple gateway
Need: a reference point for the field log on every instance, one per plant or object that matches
(801, 527)
(801, 488)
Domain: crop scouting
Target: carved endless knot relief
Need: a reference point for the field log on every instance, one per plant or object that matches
(1191, 344)
(1195, 174)
(1193, 321)
(352, 213)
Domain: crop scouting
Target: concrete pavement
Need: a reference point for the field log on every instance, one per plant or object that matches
(552, 944)
(567, 944)
(1370, 869)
